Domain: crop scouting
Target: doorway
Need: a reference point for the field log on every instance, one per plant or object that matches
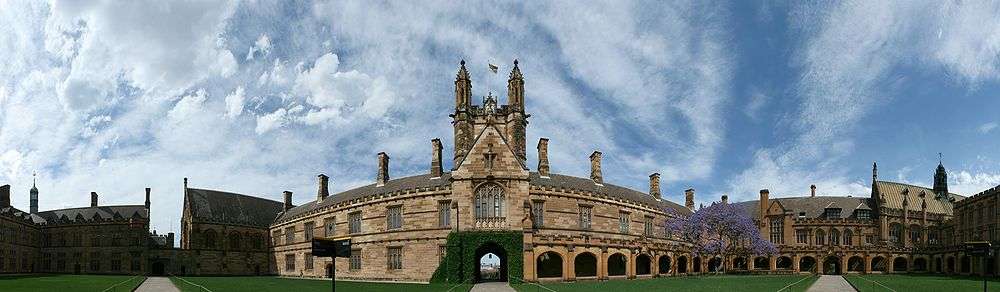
(158, 269)
(831, 266)
(491, 260)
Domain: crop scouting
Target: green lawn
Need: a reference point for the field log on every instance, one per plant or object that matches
(916, 283)
(58, 283)
(694, 284)
(264, 284)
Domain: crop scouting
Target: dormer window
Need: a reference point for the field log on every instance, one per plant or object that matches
(862, 214)
(832, 213)
(802, 214)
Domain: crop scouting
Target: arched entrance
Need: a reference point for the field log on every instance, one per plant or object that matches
(951, 265)
(664, 264)
(740, 263)
(492, 262)
(585, 265)
(783, 263)
(158, 269)
(682, 265)
(715, 265)
(807, 264)
(855, 264)
(643, 265)
(899, 264)
(697, 265)
(878, 264)
(549, 265)
(919, 265)
(761, 263)
(616, 265)
(831, 265)
(966, 265)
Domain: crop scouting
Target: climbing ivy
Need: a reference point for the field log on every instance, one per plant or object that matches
(462, 248)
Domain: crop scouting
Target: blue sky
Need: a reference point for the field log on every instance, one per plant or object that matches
(258, 97)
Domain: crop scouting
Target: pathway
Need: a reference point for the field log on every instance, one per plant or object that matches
(831, 283)
(492, 287)
(156, 284)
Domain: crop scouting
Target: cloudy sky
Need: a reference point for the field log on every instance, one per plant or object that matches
(259, 97)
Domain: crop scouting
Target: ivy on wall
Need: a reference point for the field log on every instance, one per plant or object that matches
(460, 262)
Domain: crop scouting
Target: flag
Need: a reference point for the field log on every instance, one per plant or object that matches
(494, 68)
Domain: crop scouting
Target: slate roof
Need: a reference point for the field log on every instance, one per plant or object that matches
(86, 214)
(212, 206)
(814, 207)
(425, 181)
(17, 214)
(893, 193)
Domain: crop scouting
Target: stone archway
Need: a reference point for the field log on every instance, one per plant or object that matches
(664, 264)
(919, 265)
(643, 265)
(158, 269)
(585, 265)
(951, 265)
(856, 264)
(484, 273)
(807, 264)
(697, 264)
(761, 263)
(740, 264)
(966, 265)
(831, 265)
(549, 265)
(899, 264)
(682, 265)
(878, 264)
(715, 265)
(617, 264)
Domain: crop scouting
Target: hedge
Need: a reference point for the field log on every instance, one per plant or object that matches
(462, 247)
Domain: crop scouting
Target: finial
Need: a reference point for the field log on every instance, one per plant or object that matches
(940, 158)
(462, 62)
(34, 175)
(515, 62)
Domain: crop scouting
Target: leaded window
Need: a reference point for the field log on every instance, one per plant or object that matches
(394, 258)
(444, 214)
(290, 235)
(308, 261)
(538, 213)
(820, 237)
(330, 226)
(290, 262)
(834, 237)
(586, 216)
(777, 230)
(490, 201)
(394, 217)
(354, 222)
(895, 232)
(355, 260)
(848, 237)
(801, 237)
(647, 226)
(623, 222)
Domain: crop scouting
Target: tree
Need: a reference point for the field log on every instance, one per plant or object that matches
(720, 229)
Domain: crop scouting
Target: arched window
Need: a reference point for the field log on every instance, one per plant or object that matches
(234, 240)
(895, 232)
(848, 237)
(820, 237)
(489, 201)
(834, 237)
(209, 238)
(915, 234)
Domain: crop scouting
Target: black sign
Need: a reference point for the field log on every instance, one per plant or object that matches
(327, 247)
(977, 248)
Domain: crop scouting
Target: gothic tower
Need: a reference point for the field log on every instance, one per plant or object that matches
(517, 121)
(34, 196)
(462, 119)
(941, 181)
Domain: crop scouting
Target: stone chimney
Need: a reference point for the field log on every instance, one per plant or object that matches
(764, 203)
(170, 239)
(383, 169)
(436, 158)
(4, 196)
(93, 199)
(288, 200)
(595, 168)
(725, 199)
(812, 190)
(323, 190)
(543, 157)
(147, 197)
(689, 199)
(654, 185)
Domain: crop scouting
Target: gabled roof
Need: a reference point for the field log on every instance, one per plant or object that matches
(814, 207)
(23, 216)
(83, 214)
(393, 185)
(586, 184)
(212, 206)
(502, 139)
(894, 192)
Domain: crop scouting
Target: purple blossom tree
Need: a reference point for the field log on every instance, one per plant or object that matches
(721, 229)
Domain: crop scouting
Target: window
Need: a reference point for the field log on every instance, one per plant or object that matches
(394, 257)
(209, 238)
(355, 260)
(442, 252)
(834, 237)
(777, 230)
(116, 261)
(915, 234)
(489, 201)
(623, 221)
(586, 213)
(538, 213)
(354, 222)
(864, 214)
(869, 239)
(329, 226)
(820, 237)
(136, 261)
(95, 261)
(895, 232)
(307, 230)
(235, 239)
(444, 214)
(802, 214)
(276, 237)
(290, 235)
(848, 237)
(309, 261)
(647, 227)
(290, 262)
(394, 217)
(832, 213)
(801, 237)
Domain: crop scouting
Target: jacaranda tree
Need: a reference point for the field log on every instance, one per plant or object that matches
(721, 229)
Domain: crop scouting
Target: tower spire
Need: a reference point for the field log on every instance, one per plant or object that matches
(874, 171)
(33, 194)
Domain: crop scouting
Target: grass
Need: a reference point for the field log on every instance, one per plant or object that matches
(276, 284)
(694, 284)
(917, 283)
(45, 282)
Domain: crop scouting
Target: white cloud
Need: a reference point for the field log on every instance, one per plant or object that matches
(234, 102)
(271, 121)
(987, 127)
(970, 183)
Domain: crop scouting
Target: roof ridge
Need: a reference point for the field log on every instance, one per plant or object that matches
(88, 207)
(237, 194)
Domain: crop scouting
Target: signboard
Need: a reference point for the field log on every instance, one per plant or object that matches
(329, 247)
(977, 248)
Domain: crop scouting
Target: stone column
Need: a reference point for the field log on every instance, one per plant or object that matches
(602, 264)
(630, 264)
(654, 265)
(569, 270)
(868, 264)
(529, 265)
(774, 263)
(795, 263)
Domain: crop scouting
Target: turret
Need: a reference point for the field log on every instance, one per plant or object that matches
(462, 119)
(515, 89)
(940, 181)
(33, 195)
(518, 120)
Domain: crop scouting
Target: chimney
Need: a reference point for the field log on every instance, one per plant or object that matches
(689, 199)
(4, 196)
(383, 169)
(543, 157)
(595, 168)
(654, 185)
(93, 199)
(323, 188)
(725, 199)
(764, 194)
(436, 158)
(170, 239)
(147, 198)
(288, 200)
(812, 190)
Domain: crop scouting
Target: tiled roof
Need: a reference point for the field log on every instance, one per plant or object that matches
(814, 207)
(85, 214)
(224, 207)
(425, 181)
(25, 217)
(894, 193)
